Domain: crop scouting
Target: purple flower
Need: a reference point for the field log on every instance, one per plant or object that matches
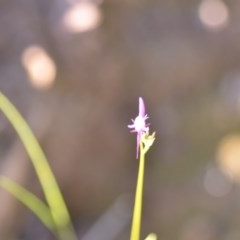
(139, 124)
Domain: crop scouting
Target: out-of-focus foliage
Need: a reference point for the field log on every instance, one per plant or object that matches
(75, 70)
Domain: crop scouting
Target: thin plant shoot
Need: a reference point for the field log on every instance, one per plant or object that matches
(144, 142)
(54, 214)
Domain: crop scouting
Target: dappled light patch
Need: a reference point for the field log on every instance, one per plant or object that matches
(213, 14)
(228, 155)
(82, 17)
(40, 67)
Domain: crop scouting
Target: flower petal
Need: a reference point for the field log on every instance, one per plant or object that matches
(138, 143)
(141, 108)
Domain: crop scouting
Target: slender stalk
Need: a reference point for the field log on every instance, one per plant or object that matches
(137, 212)
(39, 208)
(46, 177)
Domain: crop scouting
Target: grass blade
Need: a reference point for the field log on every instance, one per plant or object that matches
(46, 177)
(39, 208)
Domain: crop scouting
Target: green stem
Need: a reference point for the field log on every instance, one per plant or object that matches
(39, 208)
(137, 212)
(48, 182)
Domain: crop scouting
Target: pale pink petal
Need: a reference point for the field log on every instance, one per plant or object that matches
(139, 124)
(138, 144)
(141, 108)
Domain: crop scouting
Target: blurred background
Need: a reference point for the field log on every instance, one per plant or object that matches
(75, 70)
